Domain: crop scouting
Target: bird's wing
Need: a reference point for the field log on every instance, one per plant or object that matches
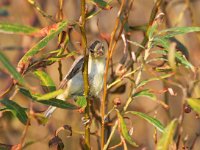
(75, 68)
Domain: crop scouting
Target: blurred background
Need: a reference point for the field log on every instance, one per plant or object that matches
(177, 13)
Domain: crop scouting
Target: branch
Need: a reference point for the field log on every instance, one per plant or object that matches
(85, 74)
(109, 55)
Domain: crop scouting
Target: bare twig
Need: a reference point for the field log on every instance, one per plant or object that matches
(109, 55)
(24, 134)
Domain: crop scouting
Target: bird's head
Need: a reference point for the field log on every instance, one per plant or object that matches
(97, 49)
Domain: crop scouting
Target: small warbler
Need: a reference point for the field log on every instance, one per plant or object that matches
(73, 83)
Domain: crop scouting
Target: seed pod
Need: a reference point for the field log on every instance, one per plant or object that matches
(117, 101)
(187, 108)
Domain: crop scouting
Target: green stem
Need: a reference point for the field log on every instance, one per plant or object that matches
(85, 74)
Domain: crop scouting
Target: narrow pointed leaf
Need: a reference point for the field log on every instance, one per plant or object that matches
(144, 82)
(16, 109)
(171, 32)
(41, 44)
(145, 93)
(28, 94)
(136, 44)
(124, 130)
(195, 104)
(50, 95)
(182, 60)
(16, 75)
(53, 101)
(46, 80)
(156, 123)
(102, 4)
(167, 137)
(159, 41)
(16, 29)
(58, 103)
(81, 101)
(151, 31)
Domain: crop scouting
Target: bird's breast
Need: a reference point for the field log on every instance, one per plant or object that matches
(96, 72)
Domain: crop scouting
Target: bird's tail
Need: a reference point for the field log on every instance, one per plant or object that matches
(49, 111)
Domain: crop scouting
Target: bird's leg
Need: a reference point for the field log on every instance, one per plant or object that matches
(94, 113)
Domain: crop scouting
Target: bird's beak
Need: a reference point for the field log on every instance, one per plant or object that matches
(101, 52)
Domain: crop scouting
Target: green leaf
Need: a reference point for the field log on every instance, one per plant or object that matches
(136, 44)
(156, 123)
(151, 31)
(144, 82)
(102, 4)
(167, 137)
(182, 60)
(171, 32)
(124, 130)
(53, 102)
(41, 119)
(16, 109)
(159, 41)
(165, 69)
(145, 93)
(16, 29)
(11, 69)
(28, 93)
(58, 58)
(81, 101)
(195, 104)
(41, 44)
(50, 95)
(46, 80)
(58, 103)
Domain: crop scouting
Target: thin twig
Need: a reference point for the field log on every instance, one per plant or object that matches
(97, 12)
(111, 135)
(37, 7)
(85, 74)
(109, 55)
(24, 133)
(10, 87)
(59, 17)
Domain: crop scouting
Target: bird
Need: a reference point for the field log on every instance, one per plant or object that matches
(73, 84)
